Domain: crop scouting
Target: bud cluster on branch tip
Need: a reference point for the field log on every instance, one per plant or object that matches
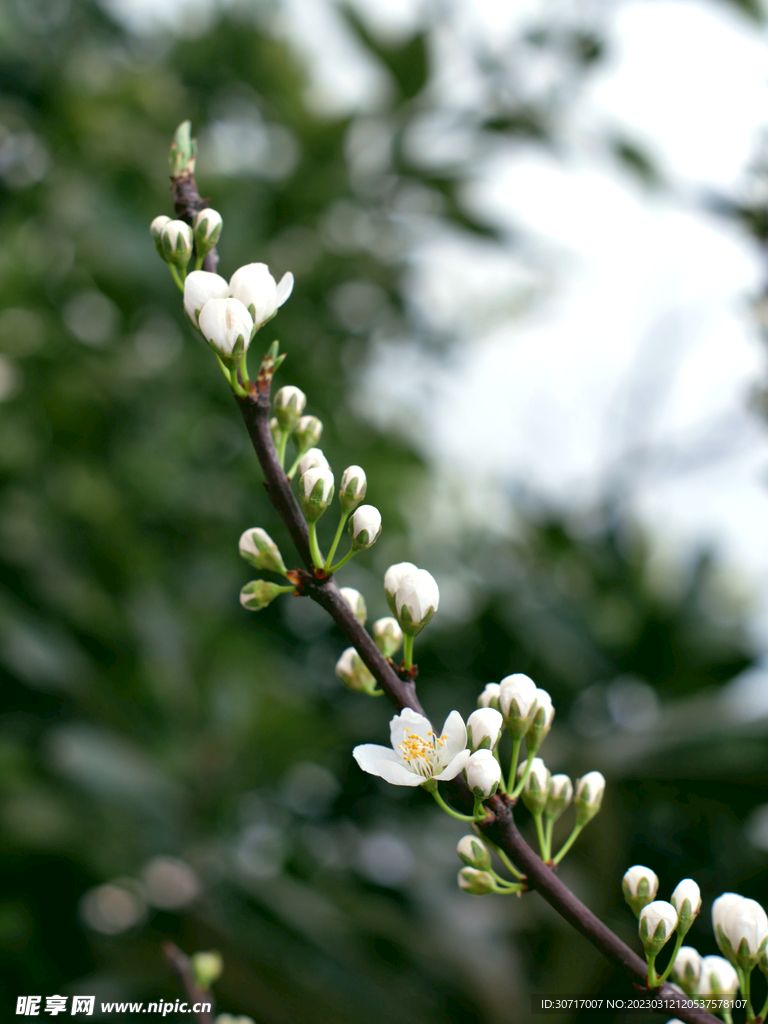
(207, 968)
(387, 636)
(412, 595)
(356, 603)
(258, 548)
(364, 527)
(657, 922)
(588, 796)
(717, 978)
(687, 969)
(489, 698)
(640, 886)
(353, 672)
(483, 774)
(484, 729)
(741, 929)
(315, 493)
(536, 789)
(288, 405)
(352, 488)
(476, 883)
(258, 594)
(474, 853)
(227, 327)
(560, 795)
(312, 459)
(208, 225)
(686, 899)
(421, 754)
(308, 432)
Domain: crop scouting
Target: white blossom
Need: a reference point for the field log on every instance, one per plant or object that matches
(484, 728)
(226, 325)
(364, 526)
(483, 773)
(199, 287)
(657, 922)
(418, 753)
(717, 977)
(416, 600)
(313, 459)
(255, 287)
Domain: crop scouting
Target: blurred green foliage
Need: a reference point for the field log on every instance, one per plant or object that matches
(147, 716)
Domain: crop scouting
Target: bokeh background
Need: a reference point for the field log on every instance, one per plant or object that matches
(528, 247)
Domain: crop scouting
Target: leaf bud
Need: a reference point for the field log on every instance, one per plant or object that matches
(536, 789)
(288, 405)
(352, 488)
(657, 922)
(484, 729)
(208, 225)
(258, 594)
(176, 241)
(476, 883)
(474, 853)
(315, 493)
(387, 636)
(639, 886)
(308, 432)
(356, 603)
(354, 673)
(364, 527)
(258, 548)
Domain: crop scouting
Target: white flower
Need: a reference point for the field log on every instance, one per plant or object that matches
(635, 875)
(474, 853)
(484, 728)
(746, 922)
(417, 753)
(717, 977)
(288, 404)
(483, 773)
(176, 241)
(255, 287)
(657, 922)
(687, 968)
(310, 480)
(352, 488)
(313, 459)
(199, 287)
(686, 890)
(356, 603)
(416, 600)
(226, 325)
(258, 548)
(517, 702)
(489, 698)
(387, 635)
(392, 579)
(364, 527)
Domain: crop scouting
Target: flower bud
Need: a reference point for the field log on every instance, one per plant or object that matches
(208, 225)
(199, 287)
(687, 969)
(640, 886)
(255, 287)
(536, 789)
(743, 935)
(392, 579)
(176, 241)
(542, 721)
(356, 603)
(657, 922)
(474, 853)
(387, 636)
(720, 908)
(308, 432)
(288, 405)
(588, 796)
(717, 977)
(258, 548)
(276, 431)
(483, 773)
(156, 230)
(489, 698)
(416, 600)
(484, 729)
(226, 326)
(207, 968)
(476, 883)
(364, 527)
(352, 488)
(560, 795)
(258, 594)
(354, 673)
(315, 493)
(517, 702)
(686, 899)
(313, 459)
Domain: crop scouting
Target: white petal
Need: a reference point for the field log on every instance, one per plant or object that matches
(452, 769)
(412, 722)
(370, 755)
(455, 732)
(284, 288)
(399, 775)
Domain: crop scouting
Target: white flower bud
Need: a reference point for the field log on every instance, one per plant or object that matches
(176, 241)
(199, 287)
(258, 594)
(258, 548)
(717, 977)
(474, 853)
(392, 579)
(208, 225)
(156, 230)
(640, 886)
(560, 795)
(313, 459)
(745, 933)
(308, 432)
(537, 782)
(542, 720)
(416, 600)
(226, 326)
(352, 488)
(207, 967)
(484, 729)
(483, 773)
(686, 899)
(353, 672)
(489, 698)
(255, 287)
(356, 603)
(720, 908)
(687, 969)
(288, 404)
(476, 883)
(387, 635)
(517, 702)
(275, 430)
(588, 796)
(364, 527)
(315, 492)
(657, 922)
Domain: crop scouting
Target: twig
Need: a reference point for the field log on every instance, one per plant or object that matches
(181, 966)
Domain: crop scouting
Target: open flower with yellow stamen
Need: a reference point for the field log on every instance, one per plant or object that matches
(418, 753)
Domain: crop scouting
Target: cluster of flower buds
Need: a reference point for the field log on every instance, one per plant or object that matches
(741, 930)
(704, 976)
(657, 918)
(258, 548)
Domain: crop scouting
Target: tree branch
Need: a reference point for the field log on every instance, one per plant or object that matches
(181, 966)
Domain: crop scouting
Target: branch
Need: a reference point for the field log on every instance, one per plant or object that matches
(181, 966)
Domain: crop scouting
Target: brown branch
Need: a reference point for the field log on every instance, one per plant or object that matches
(181, 966)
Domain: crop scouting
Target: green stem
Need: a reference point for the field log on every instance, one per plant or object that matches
(509, 890)
(479, 811)
(449, 810)
(541, 837)
(548, 827)
(678, 943)
(283, 444)
(224, 369)
(764, 1009)
(236, 383)
(746, 976)
(521, 784)
(653, 981)
(513, 767)
(343, 561)
(244, 368)
(175, 276)
(408, 639)
(502, 786)
(199, 262)
(314, 548)
(336, 539)
(503, 881)
(292, 471)
(568, 843)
